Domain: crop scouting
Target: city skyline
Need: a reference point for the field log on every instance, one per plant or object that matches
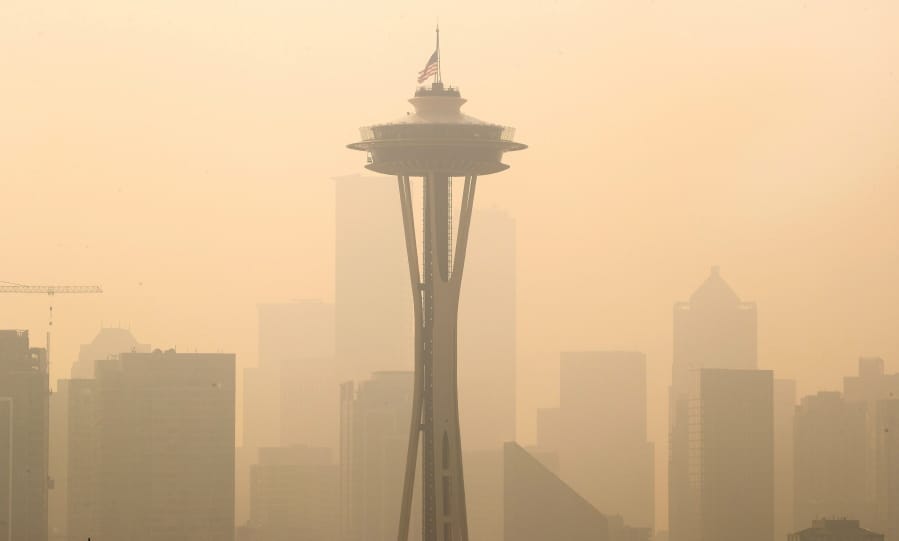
(187, 160)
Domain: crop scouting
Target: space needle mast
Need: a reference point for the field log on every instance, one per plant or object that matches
(437, 143)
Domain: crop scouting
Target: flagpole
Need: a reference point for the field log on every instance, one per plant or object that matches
(439, 75)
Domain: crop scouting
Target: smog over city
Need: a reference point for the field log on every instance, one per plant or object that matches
(446, 271)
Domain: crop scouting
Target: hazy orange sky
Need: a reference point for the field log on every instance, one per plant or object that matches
(178, 153)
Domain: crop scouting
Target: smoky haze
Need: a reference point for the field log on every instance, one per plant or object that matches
(183, 155)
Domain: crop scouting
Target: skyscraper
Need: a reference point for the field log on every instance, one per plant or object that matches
(878, 394)
(24, 435)
(58, 462)
(109, 341)
(165, 447)
(374, 327)
(784, 416)
(487, 337)
(82, 458)
(294, 494)
(885, 428)
(291, 397)
(374, 429)
(603, 450)
(830, 459)
(71, 416)
(731, 455)
(299, 338)
(715, 329)
(871, 383)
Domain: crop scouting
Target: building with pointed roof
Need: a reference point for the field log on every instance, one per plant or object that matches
(715, 329)
(108, 342)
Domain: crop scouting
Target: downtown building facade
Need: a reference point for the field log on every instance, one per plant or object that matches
(151, 448)
(24, 438)
(67, 404)
(290, 398)
(731, 455)
(374, 427)
(830, 460)
(293, 495)
(373, 307)
(487, 334)
(847, 454)
(721, 421)
(599, 435)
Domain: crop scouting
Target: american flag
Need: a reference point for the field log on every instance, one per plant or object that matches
(429, 70)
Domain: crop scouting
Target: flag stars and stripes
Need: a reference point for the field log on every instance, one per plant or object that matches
(429, 70)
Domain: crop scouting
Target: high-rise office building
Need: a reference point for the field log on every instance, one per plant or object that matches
(602, 448)
(24, 436)
(871, 383)
(298, 339)
(731, 455)
(58, 462)
(291, 397)
(294, 495)
(374, 327)
(549, 428)
(884, 424)
(715, 329)
(81, 458)
(830, 459)
(487, 337)
(878, 393)
(784, 413)
(164, 462)
(374, 427)
(110, 341)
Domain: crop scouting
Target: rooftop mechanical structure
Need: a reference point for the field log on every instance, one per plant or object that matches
(437, 143)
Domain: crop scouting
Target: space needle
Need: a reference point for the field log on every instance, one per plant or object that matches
(439, 144)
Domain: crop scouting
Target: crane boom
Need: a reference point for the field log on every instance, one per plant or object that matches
(49, 290)
(12, 287)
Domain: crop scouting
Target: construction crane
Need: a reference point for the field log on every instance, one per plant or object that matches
(11, 287)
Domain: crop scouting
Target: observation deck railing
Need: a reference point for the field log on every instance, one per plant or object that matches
(437, 131)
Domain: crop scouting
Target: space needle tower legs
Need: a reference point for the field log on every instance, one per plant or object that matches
(435, 406)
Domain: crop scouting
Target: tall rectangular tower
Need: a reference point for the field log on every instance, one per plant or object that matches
(294, 495)
(58, 462)
(165, 458)
(731, 455)
(603, 450)
(715, 329)
(82, 457)
(830, 459)
(291, 396)
(373, 307)
(24, 437)
(296, 340)
(784, 417)
(487, 337)
(374, 426)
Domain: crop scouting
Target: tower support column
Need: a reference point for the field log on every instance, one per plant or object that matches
(435, 409)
